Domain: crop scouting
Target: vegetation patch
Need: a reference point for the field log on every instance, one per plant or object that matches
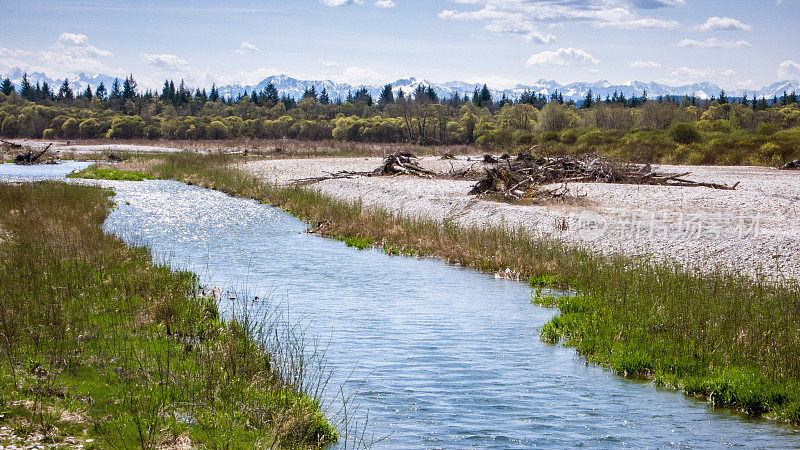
(102, 347)
(95, 173)
(692, 330)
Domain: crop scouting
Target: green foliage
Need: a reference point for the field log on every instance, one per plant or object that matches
(92, 173)
(684, 133)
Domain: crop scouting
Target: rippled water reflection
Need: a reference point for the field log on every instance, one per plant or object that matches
(443, 357)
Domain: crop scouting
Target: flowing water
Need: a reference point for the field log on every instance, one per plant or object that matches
(440, 357)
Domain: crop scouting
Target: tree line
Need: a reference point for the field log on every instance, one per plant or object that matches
(640, 126)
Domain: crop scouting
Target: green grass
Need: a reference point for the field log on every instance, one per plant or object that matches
(718, 335)
(92, 173)
(98, 342)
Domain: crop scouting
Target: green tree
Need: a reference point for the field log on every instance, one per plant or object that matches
(9, 127)
(129, 88)
(101, 91)
(6, 87)
(386, 97)
(65, 92)
(25, 88)
(70, 128)
(88, 128)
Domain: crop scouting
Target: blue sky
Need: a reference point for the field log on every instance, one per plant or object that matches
(737, 44)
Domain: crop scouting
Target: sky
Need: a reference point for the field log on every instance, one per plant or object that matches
(734, 43)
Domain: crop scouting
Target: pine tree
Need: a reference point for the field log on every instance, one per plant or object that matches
(115, 90)
(6, 87)
(431, 94)
(87, 94)
(324, 98)
(271, 94)
(310, 93)
(100, 92)
(589, 100)
(214, 95)
(386, 97)
(486, 97)
(25, 88)
(65, 92)
(46, 94)
(745, 101)
(723, 99)
(129, 88)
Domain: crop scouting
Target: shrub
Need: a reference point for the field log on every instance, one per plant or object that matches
(218, 130)
(88, 128)
(70, 128)
(766, 129)
(9, 128)
(684, 133)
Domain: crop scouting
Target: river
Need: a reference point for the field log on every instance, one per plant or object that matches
(439, 356)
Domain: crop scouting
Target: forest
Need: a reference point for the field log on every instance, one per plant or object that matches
(719, 130)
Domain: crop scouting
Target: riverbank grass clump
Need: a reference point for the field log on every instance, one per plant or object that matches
(102, 347)
(95, 173)
(728, 338)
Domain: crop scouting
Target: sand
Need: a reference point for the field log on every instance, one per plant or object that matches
(753, 229)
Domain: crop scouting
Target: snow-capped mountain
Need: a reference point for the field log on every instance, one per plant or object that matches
(577, 91)
(77, 83)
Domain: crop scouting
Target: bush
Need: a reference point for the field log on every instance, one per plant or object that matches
(49, 134)
(218, 130)
(70, 128)
(766, 129)
(684, 133)
(88, 128)
(9, 128)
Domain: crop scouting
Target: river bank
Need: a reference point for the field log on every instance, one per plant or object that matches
(754, 229)
(718, 335)
(104, 348)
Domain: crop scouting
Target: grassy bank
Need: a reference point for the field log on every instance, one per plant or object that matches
(728, 338)
(102, 347)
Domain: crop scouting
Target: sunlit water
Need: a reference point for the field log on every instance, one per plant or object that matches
(439, 356)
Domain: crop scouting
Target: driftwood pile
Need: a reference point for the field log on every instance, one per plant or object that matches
(402, 164)
(524, 176)
(30, 156)
(792, 165)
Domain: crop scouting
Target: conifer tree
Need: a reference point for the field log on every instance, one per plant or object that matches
(101, 91)
(6, 87)
(129, 88)
(324, 98)
(87, 94)
(65, 92)
(46, 93)
(115, 90)
(589, 100)
(386, 97)
(25, 88)
(214, 95)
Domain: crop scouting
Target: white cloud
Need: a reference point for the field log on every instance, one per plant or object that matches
(644, 64)
(246, 47)
(522, 16)
(525, 29)
(789, 69)
(722, 24)
(385, 4)
(165, 62)
(79, 44)
(72, 52)
(714, 43)
(335, 3)
(700, 74)
(563, 57)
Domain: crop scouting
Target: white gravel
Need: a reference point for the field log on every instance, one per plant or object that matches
(755, 228)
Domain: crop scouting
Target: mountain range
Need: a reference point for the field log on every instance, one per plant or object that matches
(294, 87)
